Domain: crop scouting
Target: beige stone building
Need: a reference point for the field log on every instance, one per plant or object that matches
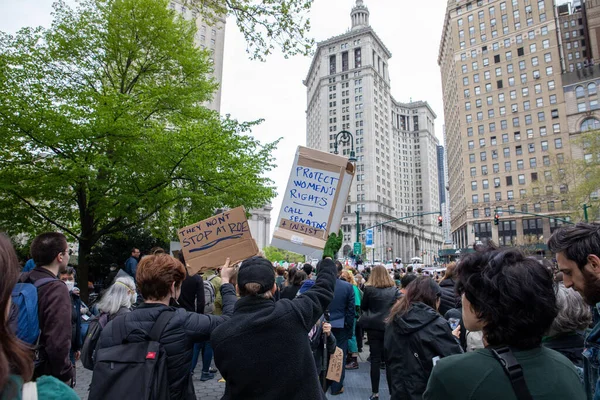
(212, 38)
(348, 88)
(504, 116)
(573, 36)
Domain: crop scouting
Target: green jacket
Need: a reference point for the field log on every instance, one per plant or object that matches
(479, 376)
(48, 388)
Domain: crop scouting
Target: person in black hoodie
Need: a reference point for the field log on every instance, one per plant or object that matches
(380, 295)
(566, 332)
(263, 351)
(416, 336)
(450, 299)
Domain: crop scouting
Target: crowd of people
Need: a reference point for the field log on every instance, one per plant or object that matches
(497, 325)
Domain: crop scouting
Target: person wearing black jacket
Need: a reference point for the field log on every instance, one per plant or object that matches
(263, 351)
(379, 296)
(320, 338)
(68, 277)
(450, 299)
(416, 336)
(192, 291)
(289, 292)
(159, 278)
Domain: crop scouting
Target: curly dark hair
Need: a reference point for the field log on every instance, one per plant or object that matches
(511, 294)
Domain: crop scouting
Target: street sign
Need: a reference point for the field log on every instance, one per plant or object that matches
(369, 238)
(357, 248)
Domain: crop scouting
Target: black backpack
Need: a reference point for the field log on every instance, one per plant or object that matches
(132, 370)
(88, 350)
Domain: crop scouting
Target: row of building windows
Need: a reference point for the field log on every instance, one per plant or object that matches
(512, 94)
(510, 195)
(518, 151)
(535, 61)
(506, 150)
(543, 131)
(520, 165)
(516, 121)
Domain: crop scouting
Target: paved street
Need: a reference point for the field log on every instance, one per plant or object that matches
(357, 385)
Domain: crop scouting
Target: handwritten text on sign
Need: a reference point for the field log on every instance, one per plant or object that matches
(208, 233)
(310, 196)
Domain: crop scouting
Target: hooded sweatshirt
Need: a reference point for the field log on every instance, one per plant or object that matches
(413, 342)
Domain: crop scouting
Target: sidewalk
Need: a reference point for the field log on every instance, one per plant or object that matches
(357, 384)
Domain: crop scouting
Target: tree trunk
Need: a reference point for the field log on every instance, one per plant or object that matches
(85, 248)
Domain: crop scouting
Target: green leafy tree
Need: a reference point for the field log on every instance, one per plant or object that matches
(116, 248)
(571, 179)
(266, 25)
(102, 128)
(274, 254)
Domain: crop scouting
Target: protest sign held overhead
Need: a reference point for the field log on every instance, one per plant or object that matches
(208, 243)
(313, 201)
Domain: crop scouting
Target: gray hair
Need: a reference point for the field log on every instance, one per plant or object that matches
(120, 294)
(573, 313)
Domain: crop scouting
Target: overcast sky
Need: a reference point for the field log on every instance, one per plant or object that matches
(273, 90)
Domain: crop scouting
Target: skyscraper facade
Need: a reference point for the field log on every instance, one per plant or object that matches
(210, 37)
(348, 89)
(505, 117)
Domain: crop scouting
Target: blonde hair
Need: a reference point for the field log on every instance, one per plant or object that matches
(348, 274)
(450, 270)
(380, 278)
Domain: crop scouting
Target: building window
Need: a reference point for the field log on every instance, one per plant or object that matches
(357, 58)
(558, 143)
(579, 92)
(590, 124)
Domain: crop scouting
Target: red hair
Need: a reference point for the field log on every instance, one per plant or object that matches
(156, 273)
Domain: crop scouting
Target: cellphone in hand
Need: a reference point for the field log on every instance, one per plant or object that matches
(454, 322)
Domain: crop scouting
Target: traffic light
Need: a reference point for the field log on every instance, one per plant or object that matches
(440, 220)
(496, 219)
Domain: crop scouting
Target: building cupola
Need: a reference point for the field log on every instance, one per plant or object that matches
(359, 15)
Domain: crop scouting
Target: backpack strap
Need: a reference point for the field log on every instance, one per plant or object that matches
(513, 370)
(161, 324)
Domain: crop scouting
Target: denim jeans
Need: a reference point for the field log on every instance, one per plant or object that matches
(207, 355)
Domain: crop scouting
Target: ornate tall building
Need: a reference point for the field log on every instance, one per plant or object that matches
(348, 89)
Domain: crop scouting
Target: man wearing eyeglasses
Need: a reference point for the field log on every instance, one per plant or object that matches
(51, 252)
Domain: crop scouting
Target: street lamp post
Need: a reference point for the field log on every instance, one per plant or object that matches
(345, 137)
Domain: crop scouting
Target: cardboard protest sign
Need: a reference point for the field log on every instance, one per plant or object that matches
(208, 243)
(313, 202)
(334, 372)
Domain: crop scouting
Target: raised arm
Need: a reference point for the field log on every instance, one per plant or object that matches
(312, 304)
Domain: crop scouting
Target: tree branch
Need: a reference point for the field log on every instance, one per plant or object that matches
(41, 214)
